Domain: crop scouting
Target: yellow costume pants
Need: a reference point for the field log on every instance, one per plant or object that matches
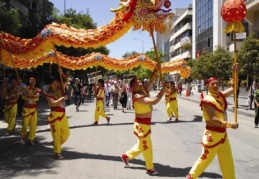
(215, 144)
(99, 111)
(144, 145)
(59, 129)
(172, 108)
(10, 112)
(29, 119)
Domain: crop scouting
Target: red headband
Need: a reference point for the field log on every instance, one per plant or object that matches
(212, 79)
(134, 82)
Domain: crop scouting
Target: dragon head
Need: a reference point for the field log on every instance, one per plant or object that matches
(146, 14)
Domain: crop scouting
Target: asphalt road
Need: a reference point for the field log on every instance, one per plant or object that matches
(94, 151)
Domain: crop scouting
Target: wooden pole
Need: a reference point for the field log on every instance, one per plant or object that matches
(235, 75)
(156, 53)
(60, 75)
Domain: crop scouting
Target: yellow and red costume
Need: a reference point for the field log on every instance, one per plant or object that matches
(172, 104)
(142, 129)
(58, 121)
(215, 141)
(99, 110)
(10, 108)
(29, 113)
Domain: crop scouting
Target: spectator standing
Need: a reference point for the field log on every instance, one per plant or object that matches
(123, 97)
(77, 92)
(107, 89)
(115, 94)
(129, 96)
(256, 100)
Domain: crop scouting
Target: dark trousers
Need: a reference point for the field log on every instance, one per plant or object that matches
(256, 115)
(77, 100)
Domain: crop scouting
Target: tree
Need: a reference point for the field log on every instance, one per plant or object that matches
(10, 20)
(83, 21)
(217, 63)
(248, 57)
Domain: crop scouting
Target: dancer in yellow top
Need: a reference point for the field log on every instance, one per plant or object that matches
(99, 110)
(30, 116)
(57, 119)
(171, 101)
(142, 104)
(215, 140)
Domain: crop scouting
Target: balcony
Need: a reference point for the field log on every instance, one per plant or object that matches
(185, 55)
(252, 7)
(186, 27)
(186, 42)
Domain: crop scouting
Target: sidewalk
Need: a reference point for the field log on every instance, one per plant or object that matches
(242, 108)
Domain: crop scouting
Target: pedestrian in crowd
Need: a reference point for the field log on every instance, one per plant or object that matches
(10, 108)
(123, 97)
(172, 103)
(256, 100)
(68, 91)
(57, 119)
(77, 92)
(115, 94)
(107, 88)
(99, 110)
(20, 101)
(180, 88)
(142, 104)
(90, 91)
(215, 140)
(30, 116)
(250, 99)
(129, 96)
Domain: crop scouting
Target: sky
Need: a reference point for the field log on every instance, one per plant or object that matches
(99, 11)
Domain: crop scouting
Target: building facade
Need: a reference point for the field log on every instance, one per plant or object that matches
(181, 40)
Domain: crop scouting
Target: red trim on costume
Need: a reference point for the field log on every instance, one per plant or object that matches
(4, 111)
(49, 96)
(58, 109)
(216, 129)
(58, 118)
(216, 144)
(99, 99)
(144, 136)
(213, 105)
(30, 106)
(146, 121)
(172, 99)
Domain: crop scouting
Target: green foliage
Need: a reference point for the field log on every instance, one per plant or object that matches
(10, 20)
(248, 56)
(217, 63)
(140, 72)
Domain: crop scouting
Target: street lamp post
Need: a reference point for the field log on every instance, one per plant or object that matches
(65, 8)
(142, 41)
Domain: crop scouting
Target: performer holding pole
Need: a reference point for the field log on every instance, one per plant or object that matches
(57, 119)
(215, 140)
(142, 105)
